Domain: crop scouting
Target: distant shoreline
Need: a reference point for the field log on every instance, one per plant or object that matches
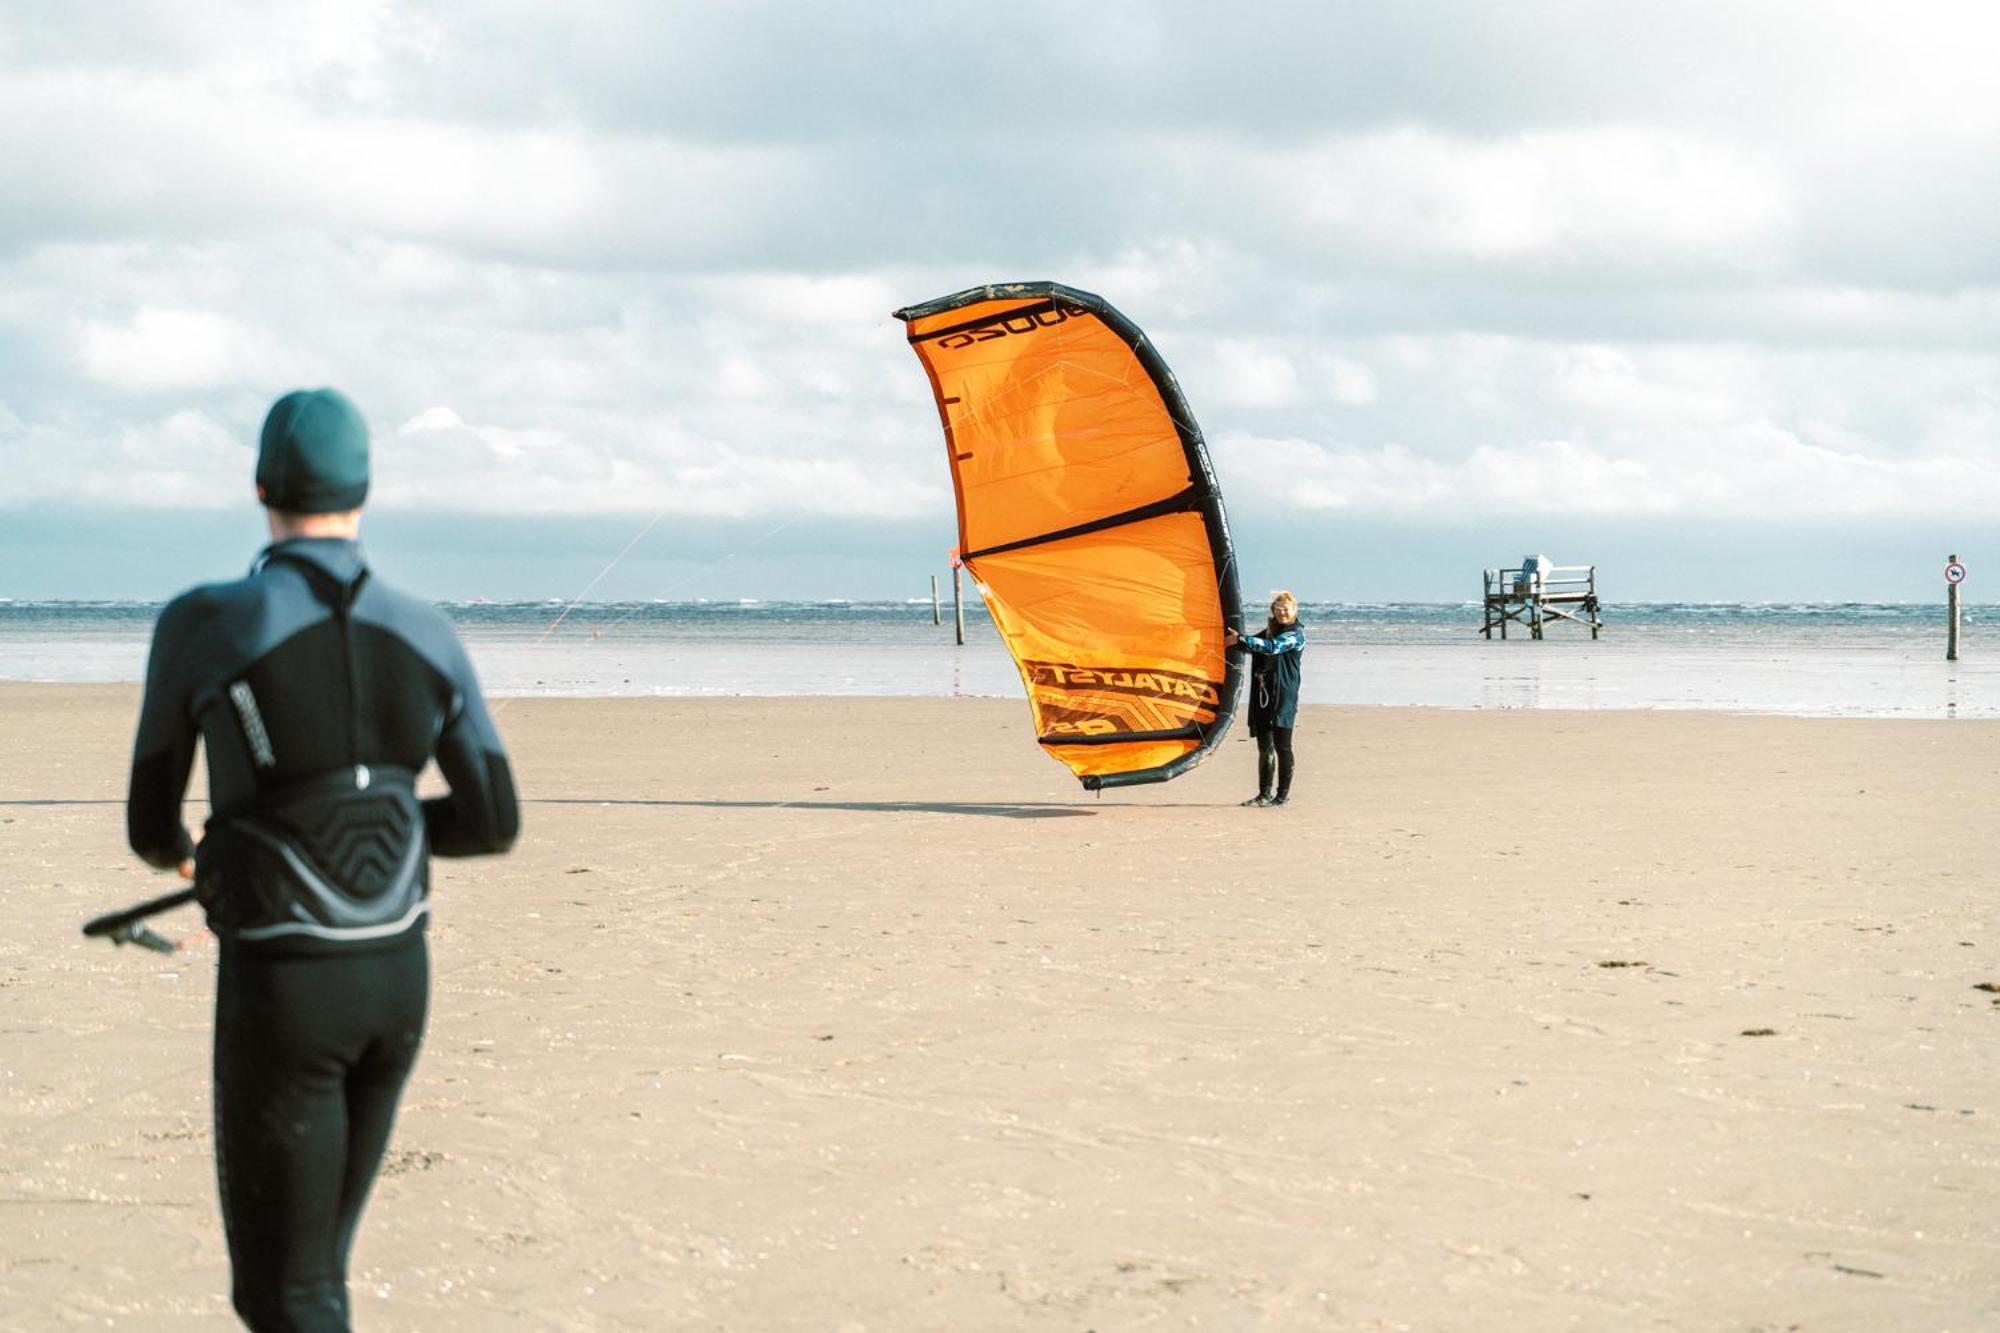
(973, 604)
(1841, 659)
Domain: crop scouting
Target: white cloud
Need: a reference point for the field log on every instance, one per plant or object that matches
(1254, 374)
(1573, 199)
(1754, 472)
(187, 157)
(437, 460)
(166, 349)
(431, 419)
(185, 460)
(1712, 259)
(794, 299)
(1610, 383)
(1179, 279)
(1392, 481)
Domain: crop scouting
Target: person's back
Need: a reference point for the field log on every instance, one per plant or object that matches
(318, 694)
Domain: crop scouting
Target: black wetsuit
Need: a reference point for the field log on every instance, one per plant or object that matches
(318, 694)
(1276, 668)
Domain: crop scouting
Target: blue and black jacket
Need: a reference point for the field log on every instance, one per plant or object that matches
(319, 694)
(1276, 658)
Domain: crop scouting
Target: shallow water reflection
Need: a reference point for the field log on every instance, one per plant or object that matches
(1859, 661)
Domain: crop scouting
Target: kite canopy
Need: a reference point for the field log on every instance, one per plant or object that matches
(1090, 518)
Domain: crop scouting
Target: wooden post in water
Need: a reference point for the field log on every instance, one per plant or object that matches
(958, 598)
(1951, 607)
(937, 616)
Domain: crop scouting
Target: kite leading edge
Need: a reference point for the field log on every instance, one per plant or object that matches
(1089, 517)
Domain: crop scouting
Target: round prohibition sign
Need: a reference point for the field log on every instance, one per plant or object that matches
(1954, 572)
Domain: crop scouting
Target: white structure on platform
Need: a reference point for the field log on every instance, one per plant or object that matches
(1541, 590)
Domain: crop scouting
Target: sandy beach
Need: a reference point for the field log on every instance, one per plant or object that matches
(859, 1015)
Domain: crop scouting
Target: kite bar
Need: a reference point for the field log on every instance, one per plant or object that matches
(112, 923)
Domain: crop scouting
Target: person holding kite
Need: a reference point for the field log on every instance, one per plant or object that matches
(318, 693)
(1275, 659)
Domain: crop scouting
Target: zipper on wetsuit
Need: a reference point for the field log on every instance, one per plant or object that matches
(341, 608)
(353, 703)
(339, 599)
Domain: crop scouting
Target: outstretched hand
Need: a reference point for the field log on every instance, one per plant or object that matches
(1230, 638)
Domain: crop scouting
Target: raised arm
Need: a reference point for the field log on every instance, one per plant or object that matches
(1288, 642)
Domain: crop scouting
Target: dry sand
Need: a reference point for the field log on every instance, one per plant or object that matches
(858, 1014)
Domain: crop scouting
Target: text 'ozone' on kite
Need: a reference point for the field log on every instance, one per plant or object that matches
(1089, 516)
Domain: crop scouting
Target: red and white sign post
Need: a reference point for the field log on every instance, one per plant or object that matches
(1954, 574)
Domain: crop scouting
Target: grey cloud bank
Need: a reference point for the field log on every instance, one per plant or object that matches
(1445, 277)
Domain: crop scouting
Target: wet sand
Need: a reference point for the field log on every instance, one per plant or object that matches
(859, 1014)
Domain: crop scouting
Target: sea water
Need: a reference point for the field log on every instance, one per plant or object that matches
(1830, 659)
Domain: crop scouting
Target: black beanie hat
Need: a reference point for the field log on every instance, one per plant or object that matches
(313, 456)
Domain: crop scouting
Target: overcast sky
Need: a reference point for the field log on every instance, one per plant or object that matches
(1709, 290)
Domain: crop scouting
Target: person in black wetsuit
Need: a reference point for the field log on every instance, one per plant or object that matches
(1276, 659)
(319, 693)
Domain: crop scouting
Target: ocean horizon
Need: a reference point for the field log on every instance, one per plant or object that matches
(1855, 659)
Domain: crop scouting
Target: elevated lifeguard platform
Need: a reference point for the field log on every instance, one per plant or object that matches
(1539, 592)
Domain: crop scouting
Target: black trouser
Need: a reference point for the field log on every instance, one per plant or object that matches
(1274, 750)
(310, 1058)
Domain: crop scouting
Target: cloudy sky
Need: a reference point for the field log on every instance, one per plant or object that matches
(1708, 294)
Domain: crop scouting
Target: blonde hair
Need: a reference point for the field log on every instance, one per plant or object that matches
(1282, 598)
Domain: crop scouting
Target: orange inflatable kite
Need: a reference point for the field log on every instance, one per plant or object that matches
(1090, 518)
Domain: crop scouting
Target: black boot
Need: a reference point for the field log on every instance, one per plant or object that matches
(1267, 770)
(1279, 799)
